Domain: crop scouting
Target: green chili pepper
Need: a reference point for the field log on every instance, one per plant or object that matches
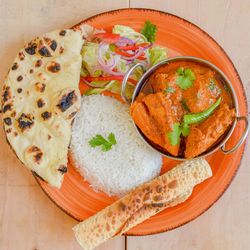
(198, 117)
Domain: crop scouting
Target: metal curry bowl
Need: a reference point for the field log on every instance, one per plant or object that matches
(142, 87)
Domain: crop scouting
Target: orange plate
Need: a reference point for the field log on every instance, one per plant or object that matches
(181, 37)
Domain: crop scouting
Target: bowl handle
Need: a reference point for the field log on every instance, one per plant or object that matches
(125, 80)
(242, 138)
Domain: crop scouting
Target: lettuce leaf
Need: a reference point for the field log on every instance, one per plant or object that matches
(174, 135)
(149, 31)
(84, 72)
(90, 58)
(130, 33)
(157, 54)
(122, 66)
(114, 87)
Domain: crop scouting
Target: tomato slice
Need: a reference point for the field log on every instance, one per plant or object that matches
(133, 47)
(107, 78)
(122, 53)
(141, 57)
(108, 37)
(143, 44)
(129, 47)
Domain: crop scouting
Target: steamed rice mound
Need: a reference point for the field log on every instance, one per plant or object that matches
(128, 164)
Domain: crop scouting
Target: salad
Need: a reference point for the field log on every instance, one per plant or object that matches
(106, 57)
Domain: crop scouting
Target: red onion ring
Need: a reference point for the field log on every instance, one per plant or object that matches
(109, 65)
(138, 53)
(123, 41)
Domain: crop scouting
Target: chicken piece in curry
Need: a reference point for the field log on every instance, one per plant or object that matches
(188, 112)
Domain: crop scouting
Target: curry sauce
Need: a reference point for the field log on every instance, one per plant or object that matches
(189, 110)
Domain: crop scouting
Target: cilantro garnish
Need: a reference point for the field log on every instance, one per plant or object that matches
(174, 135)
(99, 140)
(185, 78)
(112, 139)
(185, 130)
(177, 130)
(149, 31)
(169, 90)
(211, 85)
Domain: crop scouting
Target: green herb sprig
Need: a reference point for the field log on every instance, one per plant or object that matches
(100, 141)
(212, 84)
(185, 78)
(184, 129)
(177, 130)
(149, 31)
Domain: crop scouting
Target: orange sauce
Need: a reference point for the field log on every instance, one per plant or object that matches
(157, 113)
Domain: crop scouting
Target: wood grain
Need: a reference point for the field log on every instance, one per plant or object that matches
(29, 220)
(225, 226)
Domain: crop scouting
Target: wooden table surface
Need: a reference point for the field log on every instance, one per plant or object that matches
(29, 220)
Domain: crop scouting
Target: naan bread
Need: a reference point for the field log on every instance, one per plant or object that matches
(165, 191)
(40, 100)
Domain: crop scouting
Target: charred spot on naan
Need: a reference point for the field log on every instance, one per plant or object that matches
(19, 90)
(36, 153)
(54, 67)
(13, 114)
(7, 121)
(72, 115)
(61, 50)
(43, 51)
(19, 78)
(43, 47)
(21, 56)
(38, 63)
(40, 87)
(51, 43)
(67, 100)
(14, 66)
(46, 115)
(62, 33)
(8, 130)
(7, 107)
(40, 103)
(25, 121)
(63, 169)
(6, 94)
(31, 48)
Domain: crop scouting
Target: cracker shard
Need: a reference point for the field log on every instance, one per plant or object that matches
(165, 191)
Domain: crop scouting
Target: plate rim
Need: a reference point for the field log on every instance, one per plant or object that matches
(166, 229)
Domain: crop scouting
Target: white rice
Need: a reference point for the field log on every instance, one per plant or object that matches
(128, 164)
